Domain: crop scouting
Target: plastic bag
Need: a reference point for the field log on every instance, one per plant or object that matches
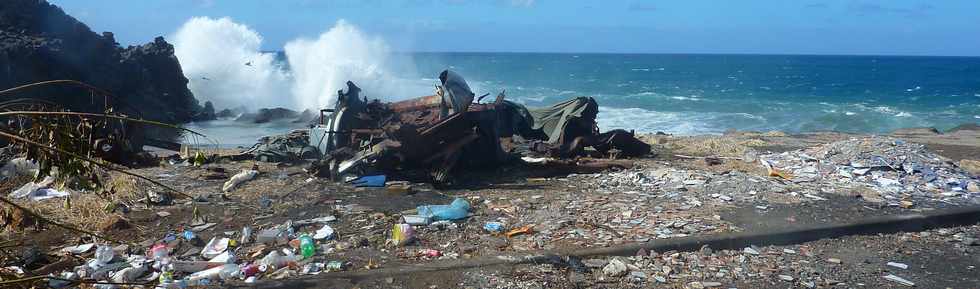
(458, 209)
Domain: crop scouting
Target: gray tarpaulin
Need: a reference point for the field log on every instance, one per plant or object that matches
(553, 120)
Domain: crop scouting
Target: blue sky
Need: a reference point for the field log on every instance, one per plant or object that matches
(902, 27)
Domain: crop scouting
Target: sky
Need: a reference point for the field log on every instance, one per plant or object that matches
(852, 27)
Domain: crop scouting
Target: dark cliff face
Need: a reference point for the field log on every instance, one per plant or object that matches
(39, 42)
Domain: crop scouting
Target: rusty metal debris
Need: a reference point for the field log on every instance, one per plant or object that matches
(434, 135)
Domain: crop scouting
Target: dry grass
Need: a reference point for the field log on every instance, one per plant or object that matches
(85, 210)
(971, 166)
(725, 146)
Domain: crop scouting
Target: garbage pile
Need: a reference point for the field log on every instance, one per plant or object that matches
(900, 171)
(432, 135)
(183, 259)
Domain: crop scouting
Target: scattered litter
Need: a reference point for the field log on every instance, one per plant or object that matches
(899, 280)
(898, 265)
(493, 227)
(458, 209)
(416, 220)
(615, 268)
(377, 181)
(214, 247)
(238, 179)
(324, 233)
(402, 234)
(519, 231)
(78, 249)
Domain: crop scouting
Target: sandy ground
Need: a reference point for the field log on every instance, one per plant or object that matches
(566, 211)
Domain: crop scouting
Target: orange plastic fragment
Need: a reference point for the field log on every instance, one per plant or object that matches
(519, 231)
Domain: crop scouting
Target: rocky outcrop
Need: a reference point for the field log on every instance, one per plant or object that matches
(268, 115)
(39, 42)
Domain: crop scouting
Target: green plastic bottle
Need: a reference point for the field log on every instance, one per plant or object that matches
(307, 248)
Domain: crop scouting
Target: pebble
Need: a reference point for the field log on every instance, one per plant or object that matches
(711, 284)
(750, 250)
(594, 263)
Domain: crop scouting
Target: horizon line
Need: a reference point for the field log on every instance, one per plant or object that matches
(671, 53)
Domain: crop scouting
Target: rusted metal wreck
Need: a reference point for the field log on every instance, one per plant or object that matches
(438, 133)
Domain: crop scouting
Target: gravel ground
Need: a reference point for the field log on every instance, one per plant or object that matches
(659, 198)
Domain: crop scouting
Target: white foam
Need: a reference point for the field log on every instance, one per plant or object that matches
(223, 61)
(690, 98)
(641, 120)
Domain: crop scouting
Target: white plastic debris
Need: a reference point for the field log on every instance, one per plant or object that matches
(615, 268)
(898, 265)
(78, 249)
(324, 233)
(238, 179)
(750, 250)
(320, 220)
(37, 191)
(225, 257)
(129, 274)
(215, 247)
(18, 167)
(899, 280)
(104, 255)
(531, 160)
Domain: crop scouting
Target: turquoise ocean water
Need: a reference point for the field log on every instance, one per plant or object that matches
(708, 94)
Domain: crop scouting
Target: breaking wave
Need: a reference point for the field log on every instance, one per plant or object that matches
(224, 63)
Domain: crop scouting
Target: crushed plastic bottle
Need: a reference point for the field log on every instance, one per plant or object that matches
(223, 272)
(104, 254)
(246, 235)
(306, 245)
(274, 261)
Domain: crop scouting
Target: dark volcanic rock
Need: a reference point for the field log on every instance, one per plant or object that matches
(207, 113)
(268, 114)
(306, 116)
(229, 113)
(39, 42)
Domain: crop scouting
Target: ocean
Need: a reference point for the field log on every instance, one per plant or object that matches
(689, 94)
(709, 94)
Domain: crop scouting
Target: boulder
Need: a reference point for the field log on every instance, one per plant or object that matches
(268, 115)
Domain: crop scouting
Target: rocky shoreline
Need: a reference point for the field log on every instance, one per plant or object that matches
(40, 42)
